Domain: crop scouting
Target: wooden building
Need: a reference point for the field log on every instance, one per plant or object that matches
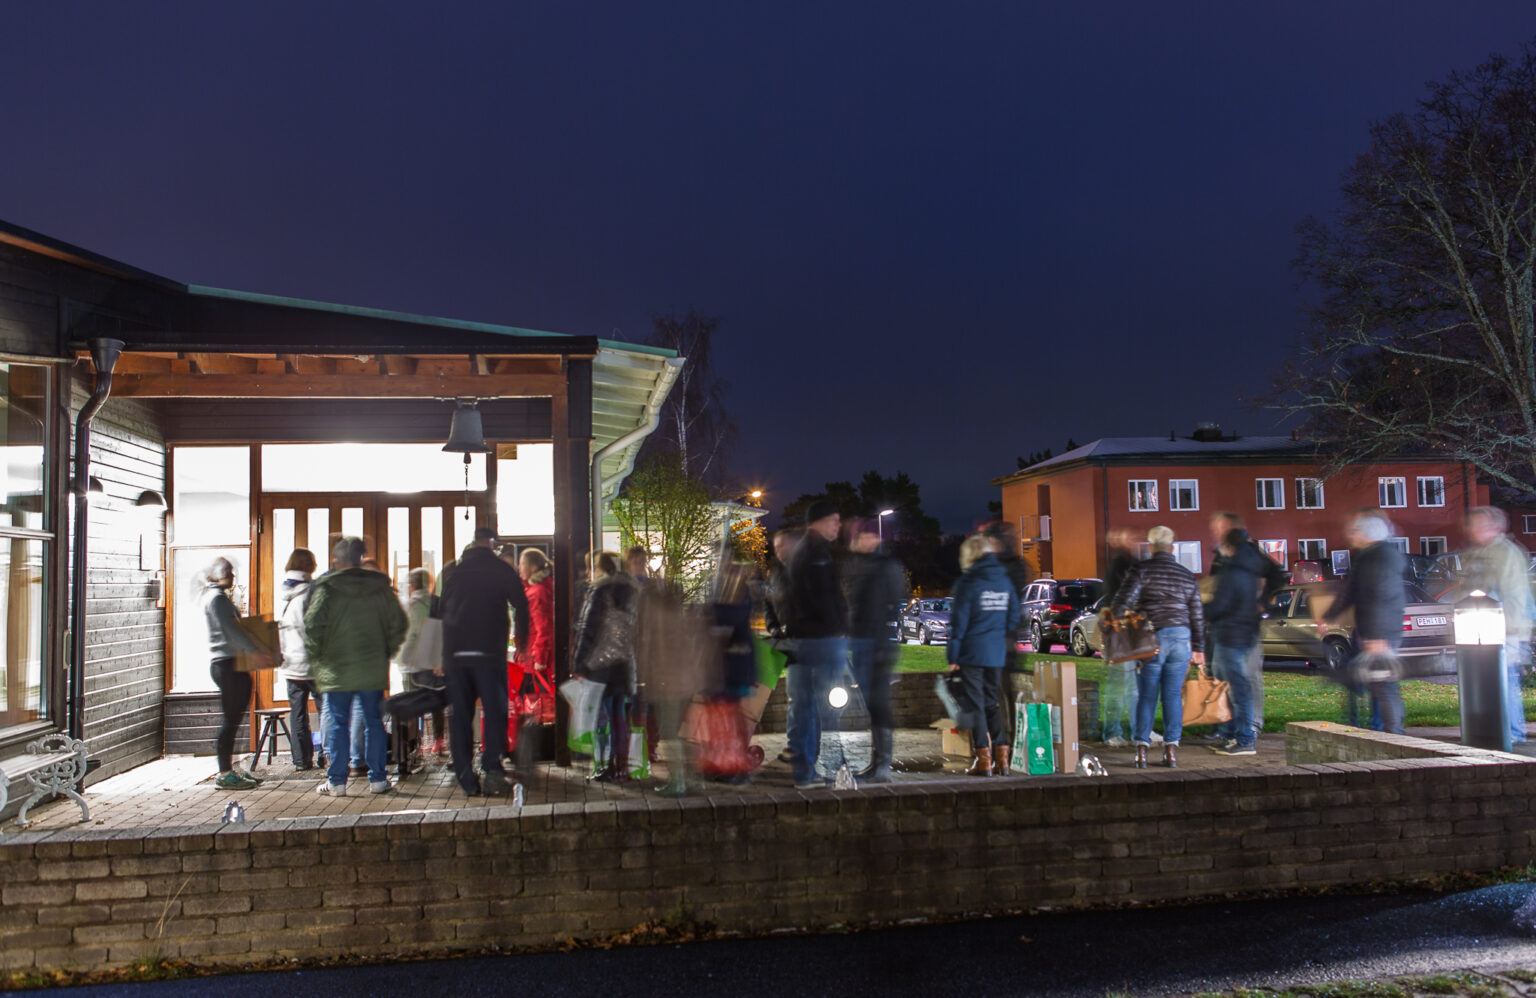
(245, 425)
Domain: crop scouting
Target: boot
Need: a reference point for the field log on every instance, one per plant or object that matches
(1002, 754)
(982, 764)
(879, 769)
(1171, 756)
(1141, 757)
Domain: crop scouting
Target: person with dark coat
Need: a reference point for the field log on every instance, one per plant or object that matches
(984, 611)
(477, 597)
(1221, 524)
(1233, 619)
(1119, 692)
(605, 653)
(874, 587)
(1167, 593)
(818, 624)
(1375, 590)
(1005, 544)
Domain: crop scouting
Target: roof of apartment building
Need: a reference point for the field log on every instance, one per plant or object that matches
(1206, 441)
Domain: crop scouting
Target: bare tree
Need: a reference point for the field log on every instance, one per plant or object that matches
(1422, 337)
(694, 422)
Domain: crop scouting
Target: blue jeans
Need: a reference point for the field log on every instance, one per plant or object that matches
(1516, 652)
(339, 736)
(817, 662)
(1120, 696)
(1230, 663)
(356, 730)
(1163, 675)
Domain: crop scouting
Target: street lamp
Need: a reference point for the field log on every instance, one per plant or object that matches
(1479, 626)
(883, 514)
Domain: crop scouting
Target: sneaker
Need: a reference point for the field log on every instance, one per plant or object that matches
(383, 786)
(329, 789)
(231, 781)
(248, 776)
(787, 755)
(494, 784)
(1213, 738)
(1236, 749)
(1116, 742)
(811, 783)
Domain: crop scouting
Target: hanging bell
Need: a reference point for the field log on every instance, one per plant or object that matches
(466, 434)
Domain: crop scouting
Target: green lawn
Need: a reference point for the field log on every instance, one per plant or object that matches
(1288, 696)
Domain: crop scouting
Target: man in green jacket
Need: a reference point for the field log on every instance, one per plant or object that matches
(353, 627)
(1499, 567)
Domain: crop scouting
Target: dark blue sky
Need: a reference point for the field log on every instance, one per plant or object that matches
(939, 235)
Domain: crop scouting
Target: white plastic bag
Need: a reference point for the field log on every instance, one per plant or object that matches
(585, 698)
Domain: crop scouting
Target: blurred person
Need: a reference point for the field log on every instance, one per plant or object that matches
(419, 605)
(482, 601)
(292, 599)
(984, 611)
(1119, 691)
(353, 627)
(1167, 593)
(1498, 566)
(637, 560)
(605, 653)
(1233, 621)
(226, 639)
(818, 624)
(1222, 524)
(874, 587)
(776, 608)
(673, 652)
(538, 652)
(1005, 544)
(1375, 590)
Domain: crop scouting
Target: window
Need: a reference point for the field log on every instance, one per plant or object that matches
(1143, 495)
(1309, 493)
(1183, 493)
(1275, 550)
(525, 490)
(366, 468)
(1431, 547)
(1401, 542)
(1432, 491)
(1392, 493)
(211, 503)
(1188, 555)
(27, 553)
(1269, 493)
(1529, 522)
(1312, 549)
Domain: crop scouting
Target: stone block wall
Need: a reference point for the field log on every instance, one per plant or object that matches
(384, 885)
(1325, 741)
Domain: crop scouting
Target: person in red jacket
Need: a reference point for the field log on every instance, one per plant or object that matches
(537, 653)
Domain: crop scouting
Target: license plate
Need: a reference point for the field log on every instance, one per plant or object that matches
(1428, 621)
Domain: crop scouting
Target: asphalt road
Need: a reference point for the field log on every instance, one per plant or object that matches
(1089, 954)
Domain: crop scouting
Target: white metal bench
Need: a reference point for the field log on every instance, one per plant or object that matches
(52, 765)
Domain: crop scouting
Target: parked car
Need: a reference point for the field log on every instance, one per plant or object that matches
(926, 620)
(1048, 607)
(1286, 631)
(1083, 637)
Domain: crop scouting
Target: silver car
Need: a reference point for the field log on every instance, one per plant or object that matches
(1083, 637)
(1286, 631)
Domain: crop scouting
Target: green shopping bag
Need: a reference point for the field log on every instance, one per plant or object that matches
(1037, 743)
(770, 662)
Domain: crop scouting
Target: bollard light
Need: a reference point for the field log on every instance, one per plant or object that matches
(1479, 620)
(837, 696)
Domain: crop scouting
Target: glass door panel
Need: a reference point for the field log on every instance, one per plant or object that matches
(190, 632)
(464, 521)
(397, 540)
(318, 536)
(284, 538)
(432, 539)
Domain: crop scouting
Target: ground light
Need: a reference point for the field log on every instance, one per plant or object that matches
(1479, 626)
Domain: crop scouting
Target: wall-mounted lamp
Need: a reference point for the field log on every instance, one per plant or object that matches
(94, 488)
(149, 499)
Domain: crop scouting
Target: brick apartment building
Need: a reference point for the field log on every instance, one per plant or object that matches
(1063, 508)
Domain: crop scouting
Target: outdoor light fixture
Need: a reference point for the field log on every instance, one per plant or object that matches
(149, 499)
(756, 493)
(1479, 625)
(881, 521)
(837, 696)
(94, 488)
(466, 435)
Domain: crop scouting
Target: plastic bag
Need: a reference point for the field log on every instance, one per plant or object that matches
(585, 698)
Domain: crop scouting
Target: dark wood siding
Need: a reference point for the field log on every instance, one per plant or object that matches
(363, 420)
(125, 631)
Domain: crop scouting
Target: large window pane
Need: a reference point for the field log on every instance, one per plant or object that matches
(397, 522)
(367, 468)
(211, 487)
(188, 573)
(24, 394)
(23, 685)
(432, 539)
(525, 492)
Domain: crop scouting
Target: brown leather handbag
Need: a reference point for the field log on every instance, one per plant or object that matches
(1128, 638)
(1206, 700)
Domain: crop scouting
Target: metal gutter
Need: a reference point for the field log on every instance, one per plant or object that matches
(600, 485)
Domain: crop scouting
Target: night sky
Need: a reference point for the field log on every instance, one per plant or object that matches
(938, 235)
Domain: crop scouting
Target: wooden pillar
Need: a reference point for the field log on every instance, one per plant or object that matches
(571, 413)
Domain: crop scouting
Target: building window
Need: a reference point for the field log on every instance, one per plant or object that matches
(1183, 494)
(1188, 554)
(1269, 493)
(1309, 493)
(1392, 493)
(1143, 495)
(1432, 491)
(1529, 522)
(211, 500)
(1275, 550)
(1312, 549)
(1401, 542)
(1432, 547)
(27, 537)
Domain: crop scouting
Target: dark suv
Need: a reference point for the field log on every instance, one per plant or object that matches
(1048, 607)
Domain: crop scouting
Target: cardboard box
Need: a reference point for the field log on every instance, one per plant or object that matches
(953, 739)
(1056, 684)
(263, 631)
(752, 706)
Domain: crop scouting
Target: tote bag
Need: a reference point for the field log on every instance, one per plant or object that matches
(1205, 699)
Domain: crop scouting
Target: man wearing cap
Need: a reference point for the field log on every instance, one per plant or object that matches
(476, 598)
(818, 623)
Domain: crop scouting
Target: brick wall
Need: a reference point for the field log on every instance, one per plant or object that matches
(379, 885)
(1323, 741)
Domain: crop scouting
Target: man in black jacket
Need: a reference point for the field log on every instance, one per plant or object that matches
(1274, 577)
(818, 623)
(476, 598)
(874, 586)
(1233, 616)
(1376, 591)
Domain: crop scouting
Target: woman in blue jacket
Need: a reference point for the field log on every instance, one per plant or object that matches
(984, 611)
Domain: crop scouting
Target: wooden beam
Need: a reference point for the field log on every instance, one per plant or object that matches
(303, 363)
(221, 363)
(336, 386)
(397, 364)
(482, 365)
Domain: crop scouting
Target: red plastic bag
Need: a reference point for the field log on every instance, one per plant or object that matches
(720, 731)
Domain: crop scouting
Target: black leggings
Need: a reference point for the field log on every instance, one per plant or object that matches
(982, 686)
(234, 699)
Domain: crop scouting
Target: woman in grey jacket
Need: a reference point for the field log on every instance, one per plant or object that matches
(225, 641)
